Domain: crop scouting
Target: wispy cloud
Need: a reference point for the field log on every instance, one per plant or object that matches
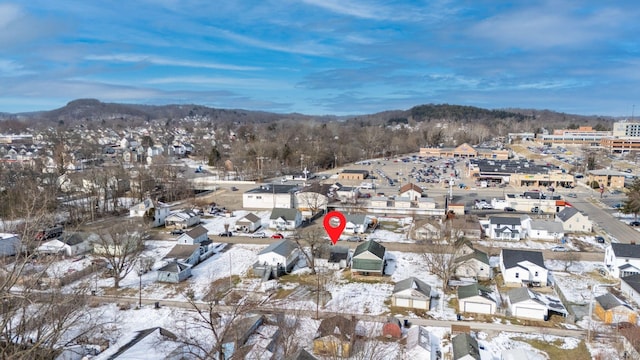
(157, 60)
(365, 10)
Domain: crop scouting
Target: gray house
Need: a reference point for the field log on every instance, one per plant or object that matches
(9, 244)
(474, 265)
(194, 236)
(174, 272)
(186, 254)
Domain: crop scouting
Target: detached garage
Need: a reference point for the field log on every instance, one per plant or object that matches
(412, 293)
(476, 299)
(524, 304)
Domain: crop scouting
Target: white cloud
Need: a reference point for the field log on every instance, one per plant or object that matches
(157, 60)
(351, 8)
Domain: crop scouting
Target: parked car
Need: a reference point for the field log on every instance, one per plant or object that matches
(572, 195)
(599, 239)
(226, 234)
(354, 238)
(559, 249)
(509, 209)
(233, 188)
(277, 236)
(177, 232)
(258, 234)
(635, 223)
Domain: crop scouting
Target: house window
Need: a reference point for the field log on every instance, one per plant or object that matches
(517, 275)
(258, 197)
(535, 274)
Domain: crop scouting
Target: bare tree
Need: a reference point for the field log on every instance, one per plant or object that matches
(120, 245)
(309, 241)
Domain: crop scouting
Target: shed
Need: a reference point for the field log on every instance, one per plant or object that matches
(612, 310)
(249, 223)
(174, 272)
(392, 328)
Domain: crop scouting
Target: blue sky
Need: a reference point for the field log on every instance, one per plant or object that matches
(318, 57)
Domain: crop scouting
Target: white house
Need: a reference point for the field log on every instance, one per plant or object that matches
(356, 223)
(545, 230)
(181, 220)
(622, 259)
(249, 223)
(9, 244)
(184, 253)
(347, 193)
(411, 191)
(157, 212)
(507, 227)
(412, 293)
(475, 298)
(474, 265)
(269, 196)
(525, 304)
(312, 199)
(285, 219)
(630, 287)
(283, 253)
(573, 221)
(194, 236)
(523, 268)
(68, 245)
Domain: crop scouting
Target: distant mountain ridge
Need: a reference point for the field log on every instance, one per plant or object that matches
(94, 110)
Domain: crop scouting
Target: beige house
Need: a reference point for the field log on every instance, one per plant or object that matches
(574, 221)
(411, 191)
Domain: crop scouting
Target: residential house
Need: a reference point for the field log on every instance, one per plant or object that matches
(184, 253)
(465, 225)
(523, 268)
(332, 257)
(465, 347)
(356, 224)
(181, 219)
(156, 211)
(412, 293)
(151, 343)
(67, 245)
(474, 265)
(368, 258)
(475, 298)
(249, 223)
(526, 304)
(104, 244)
(612, 310)
(545, 230)
(285, 219)
(301, 354)
(9, 244)
(427, 230)
(506, 228)
(196, 235)
(239, 332)
(347, 194)
(630, 287)
(269, 196)
(411, 191)
(335, 337)
(282, 254)
(622, 260)
(174, 272)
(573, 221)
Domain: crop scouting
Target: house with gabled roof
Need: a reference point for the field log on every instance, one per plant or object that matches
(474, 265)
(475, 298)
(545, 230)
(465, 347)
(269, 196)
(356, 223)
(523, 268)
(573, 221)
(622, 259)
(507, 228)
(194, 236)
(412, 293)
(369, 259)
(156, 211)
(181, 219)
(67, 244)
(612, 310)
(335, 337)
(151, 343)
(184, 253)
(281, 254)
(174, 272)
(630, 287)
(285, 219)
(411, 191)
(249, 223)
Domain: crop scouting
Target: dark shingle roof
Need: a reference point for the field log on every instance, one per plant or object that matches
(338, 253)
(476, 254)
(608, 301)
(371, 246)
(412, 283)
(287, 214)
(463, 345)
(181, 251)
(504, 220)
(197, 232)
(511, 257)
(633, 281)
(337, 325)
(251, 217)
(274, 189)
(472, 290)
(626, 250)
(567, 213)
(520, 294)
(174, 267)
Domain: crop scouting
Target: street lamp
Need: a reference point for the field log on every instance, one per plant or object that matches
(593, 291)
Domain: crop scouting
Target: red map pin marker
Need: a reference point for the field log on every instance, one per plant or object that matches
(334, 232)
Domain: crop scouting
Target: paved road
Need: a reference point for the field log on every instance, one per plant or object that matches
(602, 218)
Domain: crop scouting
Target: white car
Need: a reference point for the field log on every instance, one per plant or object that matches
(259, 234)
(559, 249)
